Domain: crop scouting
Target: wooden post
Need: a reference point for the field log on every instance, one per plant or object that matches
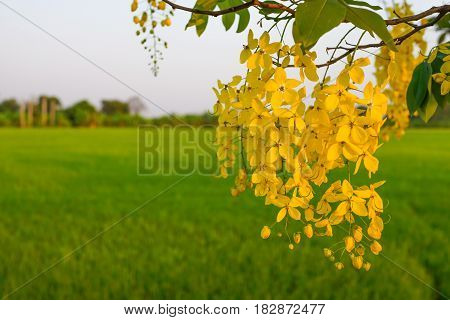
(52, 113)
(30, 114)
(44, 112)
(22, 115)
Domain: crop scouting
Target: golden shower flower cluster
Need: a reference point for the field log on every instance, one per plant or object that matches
(395, 70)
(148, 15)
(291, 143)
(443, 76)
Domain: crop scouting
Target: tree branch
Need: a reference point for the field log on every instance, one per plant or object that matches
(251, 3)
(442, 9)
(397, 41)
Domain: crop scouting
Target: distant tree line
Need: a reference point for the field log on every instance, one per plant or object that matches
(47, 111)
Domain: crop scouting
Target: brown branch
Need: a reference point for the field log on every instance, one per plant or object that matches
(442, 9)
(271, 5)
(251, 3)
(397, 41)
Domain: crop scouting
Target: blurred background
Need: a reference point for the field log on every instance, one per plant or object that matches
(68, 164)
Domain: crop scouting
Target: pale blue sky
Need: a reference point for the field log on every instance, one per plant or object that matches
(32, 63)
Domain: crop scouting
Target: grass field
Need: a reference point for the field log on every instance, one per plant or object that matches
(58, 188)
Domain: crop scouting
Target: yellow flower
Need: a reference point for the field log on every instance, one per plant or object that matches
(353, 71)
(252, 43)
(375, 203)
(288, 206)
(352, 203)
(306, 64)
(262, 56)
(282, 88)
(444, 76)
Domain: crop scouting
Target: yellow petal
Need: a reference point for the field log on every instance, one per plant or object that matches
(271, 85)
(359, 208)
(294, 213)
(272, 155)
(252, 61)
(334, 152)
(292, 83)
(371, 163)
(358, 135)
(347, 189)
(445, 87)
(331, 102)
(245, 54)
(311, 73)
(342, 209)
(343, 133)
(281, 214)
(280, 75)
(357, 75)
(277, 99)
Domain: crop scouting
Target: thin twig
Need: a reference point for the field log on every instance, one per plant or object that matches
(252, 3)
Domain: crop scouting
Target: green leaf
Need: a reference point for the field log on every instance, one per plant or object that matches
(371, 22)
(228, 19)
(444, 23)
(362, 4)
(441, 100)
(428, 108)
(314, 18)
(200, 21)
(295, 33)
(418, 87)
(244, 20)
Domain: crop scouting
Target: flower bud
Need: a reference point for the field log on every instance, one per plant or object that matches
(376, 247)
(360, 250)
(291, 246)
(367, 266)
(265, 232)
(339, 265)
(349, 243)
(358, 262)
(308, 230)
(357, 233)
(134, 6)
(297, 238)
(327, 252)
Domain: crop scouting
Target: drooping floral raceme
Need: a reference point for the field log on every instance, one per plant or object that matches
(288, 140)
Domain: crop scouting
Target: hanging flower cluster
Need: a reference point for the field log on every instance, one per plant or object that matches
(287, 141)
(148, 16)
(396, 69)
(443, 76)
